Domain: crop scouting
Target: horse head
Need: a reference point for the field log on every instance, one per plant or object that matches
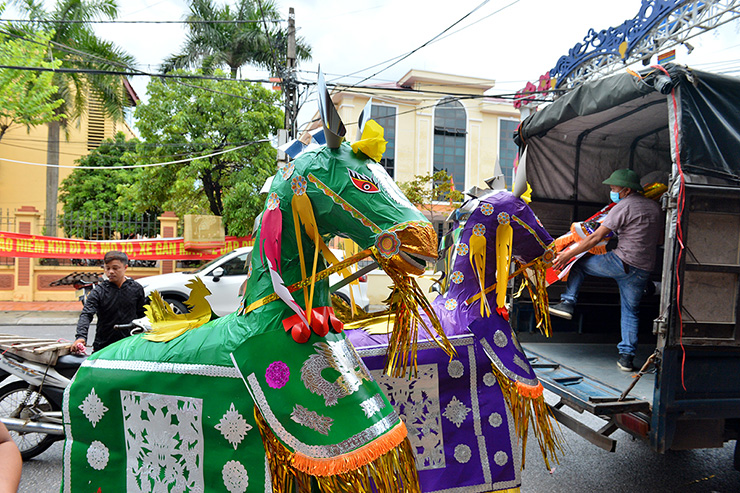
(500, 228)
(335, 189)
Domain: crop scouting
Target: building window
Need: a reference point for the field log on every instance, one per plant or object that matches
(507, 149)
(449, 140)
(386, 118)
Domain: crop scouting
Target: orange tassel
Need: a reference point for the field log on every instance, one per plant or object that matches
(531, 391)
(352, 460)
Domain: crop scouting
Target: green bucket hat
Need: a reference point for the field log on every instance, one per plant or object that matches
(624, 178)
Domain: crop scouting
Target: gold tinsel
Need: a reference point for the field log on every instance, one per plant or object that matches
(528, 406)
(407, 301)
(344, 312)
(392, 472)
(534, 280)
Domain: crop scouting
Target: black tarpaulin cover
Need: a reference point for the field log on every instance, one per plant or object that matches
(623, 122)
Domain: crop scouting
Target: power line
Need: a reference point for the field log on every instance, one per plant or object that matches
(425, 44)
(133, 166)
(128, 143)
(118, 21)
(129, 73)
(69, 49)
(479, 20)
(129, 148)
(434, 40)
(367, 90)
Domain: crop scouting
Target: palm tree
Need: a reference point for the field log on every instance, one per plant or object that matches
(231, 44)
(77, 45)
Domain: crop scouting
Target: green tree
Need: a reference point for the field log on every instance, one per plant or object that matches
(184, 121)
(27, 96)
(229, 44)
(78, 47)
(89, 193)
(425, 190)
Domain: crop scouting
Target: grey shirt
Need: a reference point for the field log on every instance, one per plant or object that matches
(637, 222)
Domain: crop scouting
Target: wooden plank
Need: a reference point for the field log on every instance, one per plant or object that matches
(52, 347)
(16, 342)
(29, 344)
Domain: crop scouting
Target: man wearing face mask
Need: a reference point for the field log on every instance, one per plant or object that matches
(636, 222)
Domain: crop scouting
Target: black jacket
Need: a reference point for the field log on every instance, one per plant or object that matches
(114, 306)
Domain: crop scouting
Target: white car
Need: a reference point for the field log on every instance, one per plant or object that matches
(224, 276)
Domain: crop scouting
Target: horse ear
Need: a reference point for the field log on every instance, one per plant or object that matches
(497, 181)
(364, 117)
(520, 183)
(334, 130)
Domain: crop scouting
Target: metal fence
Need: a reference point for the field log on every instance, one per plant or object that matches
(102, 226)
(105, 226)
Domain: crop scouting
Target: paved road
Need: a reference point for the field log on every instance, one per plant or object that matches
(584, 468)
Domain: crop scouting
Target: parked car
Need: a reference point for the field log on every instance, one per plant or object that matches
(223, 276)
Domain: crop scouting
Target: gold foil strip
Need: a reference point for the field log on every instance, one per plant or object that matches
(392, 472)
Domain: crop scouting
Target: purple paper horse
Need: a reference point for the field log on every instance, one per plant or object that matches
(458, 421)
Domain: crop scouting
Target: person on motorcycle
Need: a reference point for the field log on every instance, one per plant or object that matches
(10, 462)
(118, 300)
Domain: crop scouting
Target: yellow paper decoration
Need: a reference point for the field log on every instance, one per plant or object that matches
(372, 143)
(504, 240)
(478, 262)
(166, 324)
(303, 213)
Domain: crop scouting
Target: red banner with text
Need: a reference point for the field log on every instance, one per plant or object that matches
(20, 245)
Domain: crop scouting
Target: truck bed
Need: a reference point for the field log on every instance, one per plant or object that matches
(598, 361)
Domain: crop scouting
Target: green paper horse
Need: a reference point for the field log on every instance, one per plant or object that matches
(176, 416)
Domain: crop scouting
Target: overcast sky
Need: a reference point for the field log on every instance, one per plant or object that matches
(511, 41)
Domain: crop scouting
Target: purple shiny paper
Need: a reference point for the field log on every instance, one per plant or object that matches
(479, 455)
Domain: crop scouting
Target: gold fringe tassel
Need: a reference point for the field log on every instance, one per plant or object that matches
(536, 282)
(504, 240)
(528, 407)
(407, 301)
(391, 472)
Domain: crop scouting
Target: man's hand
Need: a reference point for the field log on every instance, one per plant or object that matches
(561, 259)
(78, 347)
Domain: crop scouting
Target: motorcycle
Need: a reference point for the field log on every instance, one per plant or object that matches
(83, 282)
(31, 406)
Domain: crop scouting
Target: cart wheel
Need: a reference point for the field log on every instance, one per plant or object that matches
(17, 402)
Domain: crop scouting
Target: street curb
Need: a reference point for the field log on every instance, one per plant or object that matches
(39, 318)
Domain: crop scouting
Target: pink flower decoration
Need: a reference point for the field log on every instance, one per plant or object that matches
(544, 84)
(277, 374)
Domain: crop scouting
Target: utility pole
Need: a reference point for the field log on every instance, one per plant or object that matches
(289, 82)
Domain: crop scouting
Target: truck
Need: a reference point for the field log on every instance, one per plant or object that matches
(679, 126)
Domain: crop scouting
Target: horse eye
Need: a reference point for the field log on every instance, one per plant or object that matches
(365, 185)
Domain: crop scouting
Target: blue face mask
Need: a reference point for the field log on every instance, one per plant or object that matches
(615, 197)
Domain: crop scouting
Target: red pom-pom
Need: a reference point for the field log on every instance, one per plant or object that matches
(300, 333)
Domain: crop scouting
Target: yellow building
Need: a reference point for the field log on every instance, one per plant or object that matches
(25, 185)
(436, 121)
